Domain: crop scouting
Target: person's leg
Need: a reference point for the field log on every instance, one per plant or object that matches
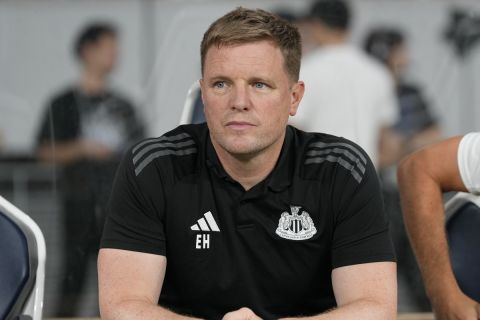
(77, 218)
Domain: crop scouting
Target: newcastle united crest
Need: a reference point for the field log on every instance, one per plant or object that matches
(296, 226)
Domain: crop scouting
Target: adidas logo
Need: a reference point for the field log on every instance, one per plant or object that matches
(207, 223)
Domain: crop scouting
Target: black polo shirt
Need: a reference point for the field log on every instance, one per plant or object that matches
(271, 248)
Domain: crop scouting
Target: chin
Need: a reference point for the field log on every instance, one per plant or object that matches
(244, 147)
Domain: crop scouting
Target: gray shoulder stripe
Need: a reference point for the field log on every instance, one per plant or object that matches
(161, 153)
(341, 162)
(344, 152)
(160, 139)
(339, 144)
(163, 145)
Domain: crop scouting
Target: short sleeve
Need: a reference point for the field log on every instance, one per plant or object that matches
(361, 232)
(135, 211)
(135, 127)
(60, 121)
(469, 161)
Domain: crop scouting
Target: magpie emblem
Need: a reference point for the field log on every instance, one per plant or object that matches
(296, 226)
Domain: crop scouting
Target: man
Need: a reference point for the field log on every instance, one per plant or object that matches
(416, 124)
(451, 165)
(85, 128)
(348, 93)
(244, 217)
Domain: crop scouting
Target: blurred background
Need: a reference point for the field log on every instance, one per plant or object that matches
(127, 66)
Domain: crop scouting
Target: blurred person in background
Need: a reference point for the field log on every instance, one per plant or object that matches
(418, 127)
(349, 93)
(450, 165)
(304, 27)
(416, 124)
(85, 129)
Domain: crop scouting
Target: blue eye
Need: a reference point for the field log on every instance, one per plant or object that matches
(219, 84)
(259, 85)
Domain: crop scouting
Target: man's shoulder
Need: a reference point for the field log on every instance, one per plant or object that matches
(347, 58)
(65, 93)
(62, 103)
(317, 58)
(374, 67)
(175, 152)
(120, 99)
(324, 154)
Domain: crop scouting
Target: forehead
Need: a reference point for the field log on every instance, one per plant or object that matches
(253, 57)
(105, 39)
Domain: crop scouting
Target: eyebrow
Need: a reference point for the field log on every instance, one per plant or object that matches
(261, 79)
(250, 80)
(218, 77)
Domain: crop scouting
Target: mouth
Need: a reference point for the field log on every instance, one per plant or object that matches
(239, 125)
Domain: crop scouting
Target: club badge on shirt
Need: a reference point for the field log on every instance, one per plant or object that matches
(296, 226)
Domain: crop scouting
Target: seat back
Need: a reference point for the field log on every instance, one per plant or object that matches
(22, 264)
(193, 106)
(463, 232)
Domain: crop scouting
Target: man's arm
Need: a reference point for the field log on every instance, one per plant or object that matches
(363, 291)
(423, 177)
(130, 284)
(71, 151)
(390, 147)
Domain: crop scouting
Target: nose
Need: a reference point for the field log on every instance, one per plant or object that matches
(240, 99)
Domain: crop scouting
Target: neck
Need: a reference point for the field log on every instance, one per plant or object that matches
(249, 170)
(92, 82)
(331, 37)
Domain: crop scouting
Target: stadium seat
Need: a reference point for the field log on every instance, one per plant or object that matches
(190, 112)
(22, 265)
(463, 232)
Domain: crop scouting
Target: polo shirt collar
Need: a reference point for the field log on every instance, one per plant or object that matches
(213, 162)
(282, 174)
(277, 180)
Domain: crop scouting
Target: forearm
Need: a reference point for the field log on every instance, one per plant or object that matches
(68, 152)
(139, 310)
(360, 309)
(63, 153)
(422, 206)
(390, 146)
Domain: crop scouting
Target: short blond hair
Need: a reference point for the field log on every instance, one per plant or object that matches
(243, 25)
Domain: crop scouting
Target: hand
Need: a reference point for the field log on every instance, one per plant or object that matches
(456, 307)
(95, 150)
(242, 314)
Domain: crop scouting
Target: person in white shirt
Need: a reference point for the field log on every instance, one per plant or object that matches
(451, 165)
(350, 94)
(469, 161)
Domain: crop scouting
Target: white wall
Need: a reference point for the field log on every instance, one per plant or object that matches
(160, 55)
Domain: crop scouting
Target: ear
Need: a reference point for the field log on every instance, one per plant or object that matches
(202, 87)
(296, 96)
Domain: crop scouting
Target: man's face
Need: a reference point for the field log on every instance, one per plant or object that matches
(248, 97)
(398, 60)
(102, 55)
